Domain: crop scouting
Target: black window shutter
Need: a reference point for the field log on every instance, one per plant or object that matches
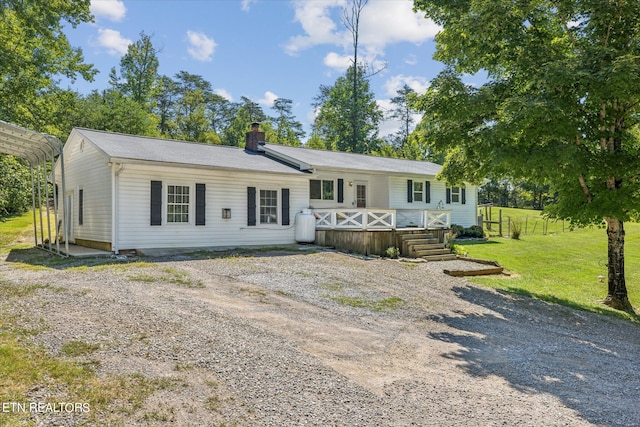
(200, 204)
(464, 195)
(410, 190)
(156, 202)
(80, 206)
(427, 191)
(448, 195)
(251, 206)
(340, 190)
(286, 220)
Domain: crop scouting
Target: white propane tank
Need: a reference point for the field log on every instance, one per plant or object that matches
(305, 226)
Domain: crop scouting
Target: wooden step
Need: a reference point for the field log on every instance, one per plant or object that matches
(409, 245)
(416, 236)
(444, 257)
(428, 252)
(429, 245)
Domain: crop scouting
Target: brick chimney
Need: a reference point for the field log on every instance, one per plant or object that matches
(255, 138)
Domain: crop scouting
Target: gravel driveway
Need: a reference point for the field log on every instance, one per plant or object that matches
(326, 339)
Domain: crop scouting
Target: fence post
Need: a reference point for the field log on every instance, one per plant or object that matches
(500, 221)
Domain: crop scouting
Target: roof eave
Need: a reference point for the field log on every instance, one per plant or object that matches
(205, 167)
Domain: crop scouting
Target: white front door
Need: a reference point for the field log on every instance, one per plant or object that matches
(361, 194)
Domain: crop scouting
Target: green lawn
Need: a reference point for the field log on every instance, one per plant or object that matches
(15, 228)
(559, 266)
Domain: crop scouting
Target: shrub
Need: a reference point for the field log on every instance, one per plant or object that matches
(458, 230)
(516, 228)
(474, 231)
(392, 252)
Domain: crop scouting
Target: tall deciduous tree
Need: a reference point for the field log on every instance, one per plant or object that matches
(561, 104)
(334, 120)
(192, 123)
(138, 71)
(403, 113)
(247, 111)
(288, 130)
(35, 52)
(114, 112)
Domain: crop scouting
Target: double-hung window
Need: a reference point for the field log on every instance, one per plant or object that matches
(268, 207)
(177, 204)
(418, 191)
(321, 189)
(455, 194)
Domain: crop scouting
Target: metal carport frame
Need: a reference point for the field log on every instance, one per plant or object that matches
(38, 149)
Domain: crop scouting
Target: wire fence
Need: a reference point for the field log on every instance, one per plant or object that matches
(503, 223)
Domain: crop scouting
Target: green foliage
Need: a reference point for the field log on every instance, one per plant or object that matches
(34, 51)
(344, 122)
(288, 130)
(474, 231)
(15, 186)
(560, 105)
(112, 111)
(392, 252)
(138, 71)
(516, 229)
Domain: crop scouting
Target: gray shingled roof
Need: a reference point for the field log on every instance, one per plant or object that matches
(121, 146)
(359, 162)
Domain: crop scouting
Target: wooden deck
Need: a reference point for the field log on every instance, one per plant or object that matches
(375, 242)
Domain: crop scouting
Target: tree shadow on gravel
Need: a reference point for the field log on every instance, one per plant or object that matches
(588, 361)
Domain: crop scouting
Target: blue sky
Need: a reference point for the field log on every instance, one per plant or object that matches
(263, 49)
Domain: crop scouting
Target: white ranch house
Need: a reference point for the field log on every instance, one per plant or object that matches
(127, 192)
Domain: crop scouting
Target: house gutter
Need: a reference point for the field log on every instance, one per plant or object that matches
(116, 170)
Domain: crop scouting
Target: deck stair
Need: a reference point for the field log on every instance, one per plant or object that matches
(425, 246)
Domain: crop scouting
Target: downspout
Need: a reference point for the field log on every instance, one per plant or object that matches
(115, 208)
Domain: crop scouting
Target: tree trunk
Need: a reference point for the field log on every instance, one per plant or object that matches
(617, 294)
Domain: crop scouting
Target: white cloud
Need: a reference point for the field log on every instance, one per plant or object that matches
(387, 22)
(386, 127)
(411, 60)
(201, 47)
(268, 99)
(246, 5)
(395, 83)
(224, 93)
(113, 41)
(337, 61)
(382, 23)
(317, 23)
(113, 10)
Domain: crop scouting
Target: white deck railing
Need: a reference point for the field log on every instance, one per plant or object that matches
(380, 219)
(362, 219)
(438, 219)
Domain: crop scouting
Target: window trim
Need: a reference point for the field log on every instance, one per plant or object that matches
(456, 194)
(275, 207)
(420, 192)
(189, 204)
(322, 183)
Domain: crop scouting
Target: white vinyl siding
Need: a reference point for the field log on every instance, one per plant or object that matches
(464, 215)
(86, 168)
(224, 190)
